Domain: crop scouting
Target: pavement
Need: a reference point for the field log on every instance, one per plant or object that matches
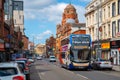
(116, 67)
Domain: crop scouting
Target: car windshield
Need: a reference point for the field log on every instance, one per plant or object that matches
(79, 55)
(7, 71)
(52, 57)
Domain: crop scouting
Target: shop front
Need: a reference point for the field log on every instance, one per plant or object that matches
(2, 50)
(96, 50)
(105, 50)
(115, 51)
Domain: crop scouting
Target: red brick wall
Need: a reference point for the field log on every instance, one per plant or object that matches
(26, 42)
(1, 18)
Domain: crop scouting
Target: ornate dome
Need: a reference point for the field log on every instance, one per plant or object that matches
(69, 6)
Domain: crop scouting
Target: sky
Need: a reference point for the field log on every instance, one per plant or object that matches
(42, 16)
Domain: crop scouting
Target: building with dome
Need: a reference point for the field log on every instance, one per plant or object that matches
(69, 25)
(69, 13)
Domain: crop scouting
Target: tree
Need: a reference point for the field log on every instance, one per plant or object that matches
(20, 44)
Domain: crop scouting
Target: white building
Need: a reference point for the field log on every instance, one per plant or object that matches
(103, 19)
(18, 15)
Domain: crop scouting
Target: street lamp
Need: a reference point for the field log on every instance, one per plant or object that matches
(98, 49)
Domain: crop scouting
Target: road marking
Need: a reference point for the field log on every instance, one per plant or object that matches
(83, 76)
(42, 73)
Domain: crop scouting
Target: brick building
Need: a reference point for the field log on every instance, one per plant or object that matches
(2, 47)
(25, 40)
(50, 46)
(69, 25)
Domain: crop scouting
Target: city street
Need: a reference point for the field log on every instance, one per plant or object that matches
(57, 39)
(45, 70)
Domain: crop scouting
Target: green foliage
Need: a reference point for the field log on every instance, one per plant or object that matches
(20, 44)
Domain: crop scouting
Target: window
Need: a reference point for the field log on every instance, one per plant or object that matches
(8, 71)
(18, 5)
(113, 29)
(104, 32)
(96, 17)
(100, 15)
(109, 30)
(15, 21)
(118, 6)
(104, 13)
(67, 11)
(113, 9)
(119, 25)
(108, 11)
(19, 16)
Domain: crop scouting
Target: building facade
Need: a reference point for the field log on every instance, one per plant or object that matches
(25, 40)
(10, 36)
(50, 46)
(2, 47)
(40, 49)
(18, 15)
(102, 18)
(69, 25)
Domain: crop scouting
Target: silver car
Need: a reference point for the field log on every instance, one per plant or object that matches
(101, 64)
(52, 59)
(11, 71)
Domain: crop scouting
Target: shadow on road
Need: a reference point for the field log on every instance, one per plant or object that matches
(34, 74)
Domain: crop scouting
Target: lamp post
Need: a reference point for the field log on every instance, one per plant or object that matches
(98, 49)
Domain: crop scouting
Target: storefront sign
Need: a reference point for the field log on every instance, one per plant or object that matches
(115, 44)
(81, 47)
(105, 45)
(64, 48)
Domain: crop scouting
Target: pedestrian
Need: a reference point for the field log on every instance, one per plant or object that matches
(111, 60)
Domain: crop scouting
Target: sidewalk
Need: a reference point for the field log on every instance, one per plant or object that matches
(116, 67)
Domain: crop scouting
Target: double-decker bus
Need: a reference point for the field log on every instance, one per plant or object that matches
(76, 51)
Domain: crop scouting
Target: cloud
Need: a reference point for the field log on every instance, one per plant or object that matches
(80, 11)
(44, 35)
(52, 13)
(37, 4)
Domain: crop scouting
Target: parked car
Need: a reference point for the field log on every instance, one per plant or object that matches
(101, 64)
(31, 60)
(25, 69)
(28, 63)
(39, 58)
(11, 71)
(52, 59)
